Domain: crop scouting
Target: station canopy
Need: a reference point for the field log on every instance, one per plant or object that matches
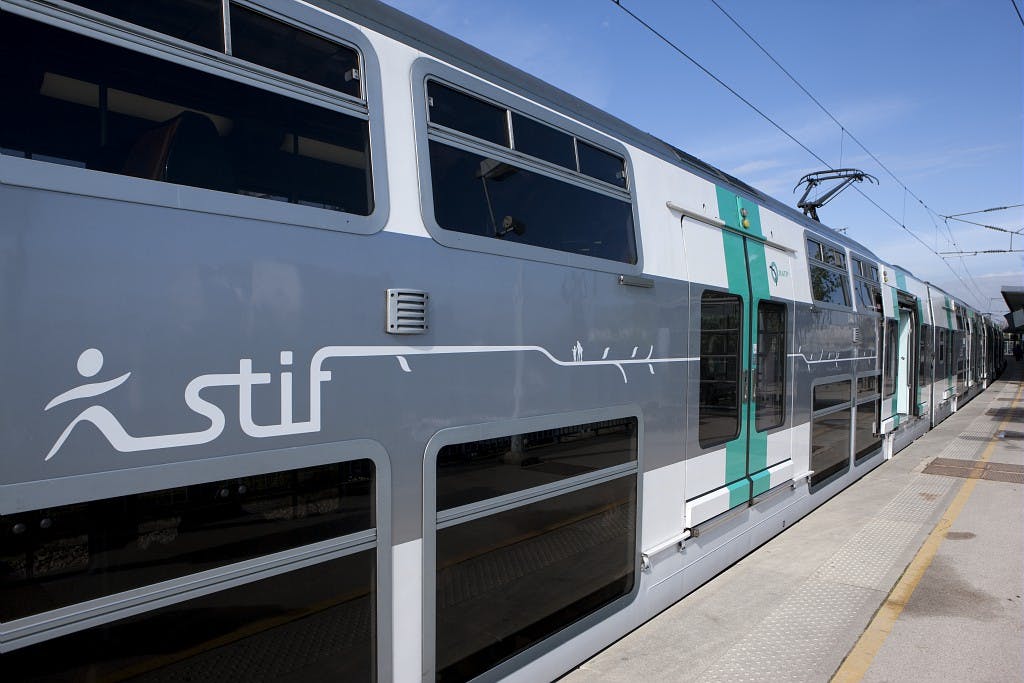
(1014, 298)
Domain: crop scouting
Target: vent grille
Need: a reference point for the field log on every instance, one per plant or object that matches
(856, 335)
(407, 311)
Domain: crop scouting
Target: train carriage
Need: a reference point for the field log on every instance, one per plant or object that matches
(342, 350)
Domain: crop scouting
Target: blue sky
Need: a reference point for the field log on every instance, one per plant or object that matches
(932, 87)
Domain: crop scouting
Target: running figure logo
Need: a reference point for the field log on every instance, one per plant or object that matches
(90, 363)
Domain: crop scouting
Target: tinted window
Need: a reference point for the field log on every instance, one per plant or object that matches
(316, 623)
(814, 250)
(719, 407)
(471, 115)
(509, 580)
(68, 554)
(278, 46)
(470, 472)
(867, 296)
(830, 444)
(86, 103)
(867, 386)
(544, 142)
(197, 21)
(478, 195)
(889, 371)
(925, 357)
(770, 378)
(835, 257)
(830, 286)
(602, 165)
(831, 394)
(866, 441)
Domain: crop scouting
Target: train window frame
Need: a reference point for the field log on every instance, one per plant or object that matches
(35, 174)
(865, 276)
(783, 418)
(710, 444)
(425, 69)
(481, 509)
(816, 482)
(98, 612)
(822, 261)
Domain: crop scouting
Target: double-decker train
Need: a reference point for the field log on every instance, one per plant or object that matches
(340, 350)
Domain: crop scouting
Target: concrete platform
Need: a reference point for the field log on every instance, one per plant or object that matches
(904, 576)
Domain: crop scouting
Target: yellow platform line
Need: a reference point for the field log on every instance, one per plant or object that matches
(868, 645)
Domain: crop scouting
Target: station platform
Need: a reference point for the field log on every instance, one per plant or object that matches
(914, 573)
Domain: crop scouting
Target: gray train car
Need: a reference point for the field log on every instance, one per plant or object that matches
(342, 350)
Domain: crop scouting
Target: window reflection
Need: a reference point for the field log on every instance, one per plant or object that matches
(509, 580)
(478, 195)
(830, 286)
(64, 555)
(478, 470)
(720, 366)
(770, 385)
(830, 444)
(866, 442)
(86, 103)
(831, 394)
(315, 623)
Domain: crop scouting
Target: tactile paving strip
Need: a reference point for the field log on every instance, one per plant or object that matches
(792, 642)
(789, 643)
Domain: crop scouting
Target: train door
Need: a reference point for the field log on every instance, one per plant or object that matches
(744, 320)
(903, 359)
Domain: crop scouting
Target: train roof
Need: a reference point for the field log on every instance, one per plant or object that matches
(400, 26)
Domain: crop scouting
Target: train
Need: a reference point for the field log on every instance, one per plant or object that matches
(338, 349)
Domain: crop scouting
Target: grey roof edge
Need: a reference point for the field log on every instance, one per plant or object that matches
(400, 26)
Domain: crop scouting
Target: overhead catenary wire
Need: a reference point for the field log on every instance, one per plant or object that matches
(843, 132)
(994, 208)
(676, 48)
(1017, 10)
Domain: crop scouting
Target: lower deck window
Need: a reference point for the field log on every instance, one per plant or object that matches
(516, 574)
(316, 623)
(866, 441)
(830, 444)
(160, 540)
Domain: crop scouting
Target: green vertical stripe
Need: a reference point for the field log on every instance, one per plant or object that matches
(736, 269)
(729, 210)
(739, 492)
(760, 482)
(758, 268)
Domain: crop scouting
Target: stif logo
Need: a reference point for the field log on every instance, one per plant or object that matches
(90, 363)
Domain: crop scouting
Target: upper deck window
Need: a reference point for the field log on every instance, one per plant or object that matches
(865, 285)
(196, 21)
(514, 178)
(544, 142)
(278, 46)
(830, 282)
(471, 115)
(255, 38)
(86, 103)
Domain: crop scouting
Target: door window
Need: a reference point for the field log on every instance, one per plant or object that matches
(720, 333)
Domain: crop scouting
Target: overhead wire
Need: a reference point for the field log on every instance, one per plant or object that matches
(1017, 10)
(844, 131)
(994, 208)
(780, 128)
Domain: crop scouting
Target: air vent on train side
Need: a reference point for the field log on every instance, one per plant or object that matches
(407, 311)
(856, 335)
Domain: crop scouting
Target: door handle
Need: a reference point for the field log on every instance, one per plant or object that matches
(746, 385)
